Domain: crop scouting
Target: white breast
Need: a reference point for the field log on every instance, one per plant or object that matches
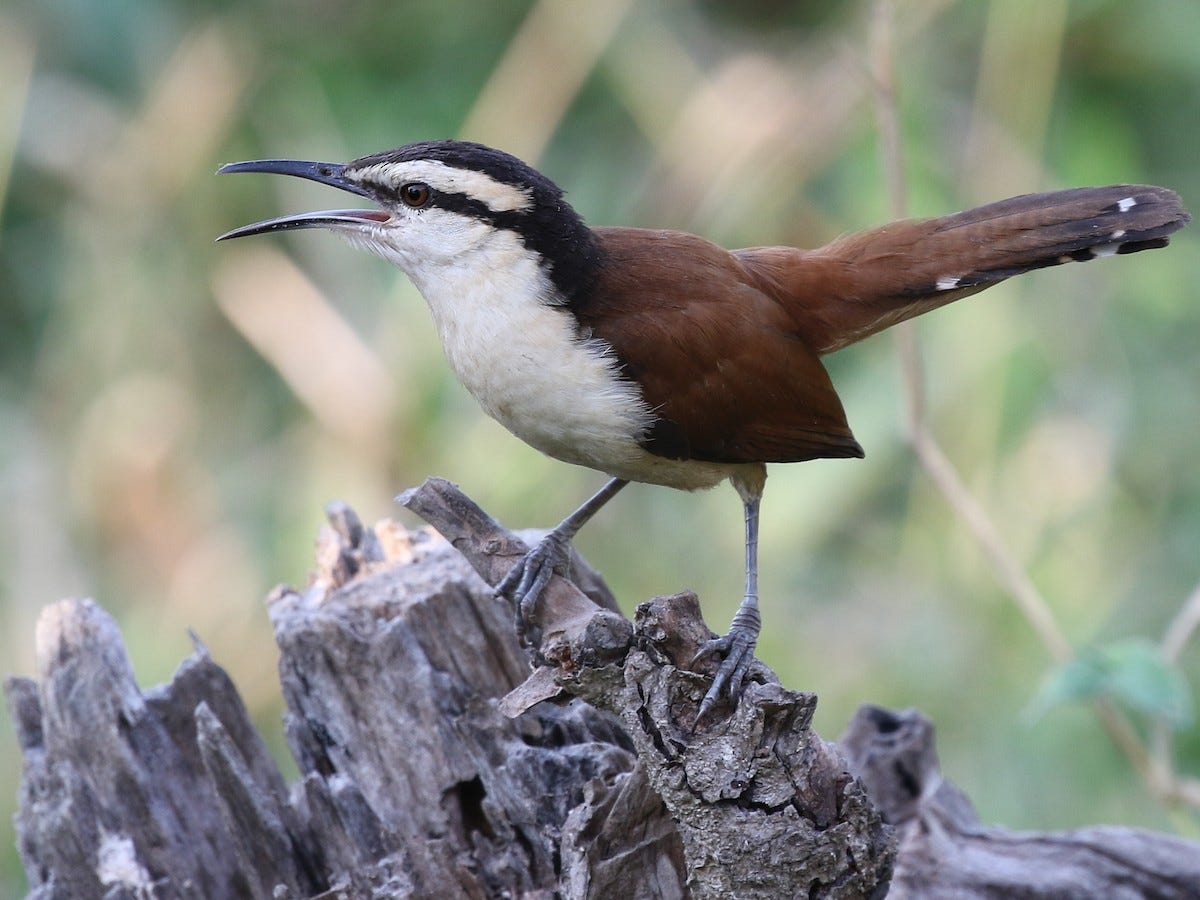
(522, 361)
(528, 368)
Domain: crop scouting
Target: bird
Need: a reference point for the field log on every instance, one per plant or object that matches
(657, 356)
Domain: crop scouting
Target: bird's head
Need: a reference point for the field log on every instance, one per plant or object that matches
(439, 202)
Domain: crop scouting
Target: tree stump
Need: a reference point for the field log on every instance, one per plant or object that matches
(433, 763)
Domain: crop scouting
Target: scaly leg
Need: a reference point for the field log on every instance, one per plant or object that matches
(527, 579)
(738, 644)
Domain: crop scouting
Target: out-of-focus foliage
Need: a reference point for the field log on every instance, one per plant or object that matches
(1129, 671)
(174, 413)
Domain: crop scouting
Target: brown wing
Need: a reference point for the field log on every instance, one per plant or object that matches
(718, 361)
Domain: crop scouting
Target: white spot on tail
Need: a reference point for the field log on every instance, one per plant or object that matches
(1119, 233)
(1126, 205)
(948, 282)
(1104, 250)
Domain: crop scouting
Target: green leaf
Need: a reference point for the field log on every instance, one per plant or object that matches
(1131, 672)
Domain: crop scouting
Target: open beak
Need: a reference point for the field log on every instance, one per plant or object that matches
(326, 173)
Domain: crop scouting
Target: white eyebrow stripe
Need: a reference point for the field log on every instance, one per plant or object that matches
(495, 195)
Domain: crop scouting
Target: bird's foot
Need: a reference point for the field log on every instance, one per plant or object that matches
(527, 579)
(738, 649)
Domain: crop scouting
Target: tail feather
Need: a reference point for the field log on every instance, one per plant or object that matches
(893, 273)
(1039, 230)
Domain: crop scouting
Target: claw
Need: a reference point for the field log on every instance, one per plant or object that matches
(527, 579)
(738, 649)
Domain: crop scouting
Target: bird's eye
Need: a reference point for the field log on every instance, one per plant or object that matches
(415, 194)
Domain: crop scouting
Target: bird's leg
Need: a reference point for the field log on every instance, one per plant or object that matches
(527, 579)
(738, 644)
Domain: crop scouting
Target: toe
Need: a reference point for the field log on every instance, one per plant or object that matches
(711, 647)
(508, 584)
(525, 582)
(731, 674)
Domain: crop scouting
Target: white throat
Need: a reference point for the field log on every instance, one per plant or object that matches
(522, 359)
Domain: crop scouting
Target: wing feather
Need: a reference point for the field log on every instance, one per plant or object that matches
(719, 361)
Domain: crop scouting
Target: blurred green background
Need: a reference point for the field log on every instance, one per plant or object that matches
(174, 413)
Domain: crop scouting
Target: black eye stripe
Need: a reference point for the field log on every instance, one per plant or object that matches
(549, 228)
(512, 220)
(461, 203)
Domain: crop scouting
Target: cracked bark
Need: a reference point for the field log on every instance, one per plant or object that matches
(434, 764)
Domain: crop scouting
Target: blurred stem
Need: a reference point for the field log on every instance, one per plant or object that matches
(541, 73)
(16, 77)
(1154, 768)
(1182, 627)
(929, 453)
(1175, 638)
(887, 107)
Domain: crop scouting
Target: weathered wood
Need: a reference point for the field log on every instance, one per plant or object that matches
(116, 798)
(945, 852)
(763, 806)
(413, 783)
(397, 665)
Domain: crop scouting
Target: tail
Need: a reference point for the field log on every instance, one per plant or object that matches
(904, 269)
